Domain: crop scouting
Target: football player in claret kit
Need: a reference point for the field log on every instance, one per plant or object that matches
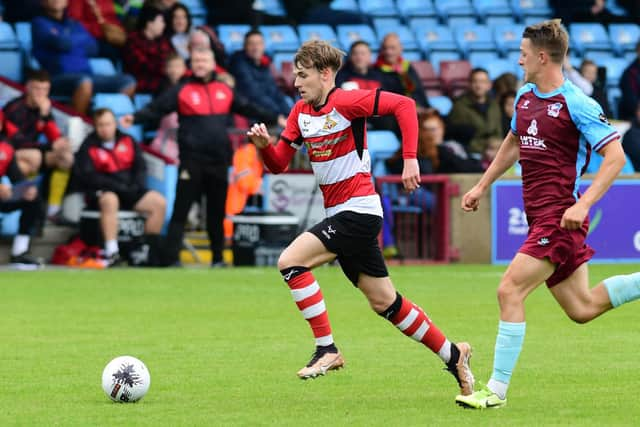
(554, 130)
(331, 123)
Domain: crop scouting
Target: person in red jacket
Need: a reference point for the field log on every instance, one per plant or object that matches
(111, 171)
(330, 123)
(19, 195)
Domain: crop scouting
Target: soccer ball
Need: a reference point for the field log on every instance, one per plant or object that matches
(125, 379)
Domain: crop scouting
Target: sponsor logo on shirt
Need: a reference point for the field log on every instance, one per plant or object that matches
(525, 104)
(553, 110)
(603, 118)
(544, 241)
(530, 141)
(329, 123)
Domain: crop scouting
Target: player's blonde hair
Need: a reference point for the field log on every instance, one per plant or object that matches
(320, 55)
(551, 37)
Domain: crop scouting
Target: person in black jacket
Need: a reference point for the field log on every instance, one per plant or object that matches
(110, 170)
(252, 71)
(203, 104)
(21, 195)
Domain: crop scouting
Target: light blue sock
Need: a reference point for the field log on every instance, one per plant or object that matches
(508, 346)
(623, 288)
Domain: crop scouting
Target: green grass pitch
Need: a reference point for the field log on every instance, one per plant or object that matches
(223, 347)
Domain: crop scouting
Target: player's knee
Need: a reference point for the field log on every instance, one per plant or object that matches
(508, 291)
(285, 260)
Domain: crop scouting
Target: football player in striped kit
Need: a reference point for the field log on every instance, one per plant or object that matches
(331, 122)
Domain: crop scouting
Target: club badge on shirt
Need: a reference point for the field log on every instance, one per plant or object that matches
(553, 110)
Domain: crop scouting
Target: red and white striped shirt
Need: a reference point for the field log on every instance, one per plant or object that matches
(335, 137)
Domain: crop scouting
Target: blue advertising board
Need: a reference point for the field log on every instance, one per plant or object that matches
(614, 230)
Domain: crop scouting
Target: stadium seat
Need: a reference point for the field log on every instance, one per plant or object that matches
(482, 59)
(447, 8)
(531, 8)
(441, 103)
(474, 38)
(412, 55)
(613, 97)
(427, 74)
(270, 7)
(196, 7)
(232, 36)
(378, 7)
(414, 8)
(508, 37)
(317, 32)
(498, 66)
(279, 58)
(487, 8)
(624, 37)
(9, 221)
(347, 5)
(615, 67)
(23, 33)
(11, 61)
(454, 75)
(417, 25)
(385, 25)
(381, 145)
(347, 34)
(279, 38)
(589, 36)
(437, 57)
(121, 105)
(8, 39)
(436, 38)
(407, 39)
(514, 57)
(455, 22)
(102, 66)
(630, 57)
(499, 21)
(140, 100)
(532, 20)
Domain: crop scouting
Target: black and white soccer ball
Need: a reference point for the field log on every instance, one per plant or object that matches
(126, 379)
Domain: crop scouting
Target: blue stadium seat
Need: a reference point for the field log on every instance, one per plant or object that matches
(615, 67)
(347, 34)
(624, 37)
(385, 24)
(498, 66)
(613, 97)
(508, 37)
(486, 8)
(346, 5)
(232, 36)
(499, 21)
(615, 8)
(412, 55)
(455, 22)
(482, 58)
(196, 7)
(270, 7)
(278, 58)
(474, 38)
(596, 161)
(405, 35)
(9, 221)
(141, 99)
(11, 61)
(422, 24)
(527, 8)
(102, 66)
(412, 8)
(279, 38)
(532, 20)
(630, 57)
(436, 57)
(441, 103)
(436, 38)
(8, 39)
(514, 57)
(317, 32)
(589, 36)
(378, 7)
(447, 8)
(121, 105)
(381, 145)
(23, 33)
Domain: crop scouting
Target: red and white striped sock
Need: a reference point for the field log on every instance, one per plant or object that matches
(414, 323)
(308, 297)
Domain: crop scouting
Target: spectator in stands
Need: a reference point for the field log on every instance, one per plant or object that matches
(175, 71)
(99, 18)
(179, 29)
(504, 83)
(251, 69)
(435, 154)
(358, 71)
(477, 110)
(147, 49)
(631, 141)
(205, 37)
(506, 109)
(20, 194)
(587, 80)
(112, 174)
(205, 152)
(63, 47)
(630, 88)
(28, 119)
(400, 76)
(127, 12)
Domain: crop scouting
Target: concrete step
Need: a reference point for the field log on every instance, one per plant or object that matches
(42, 246)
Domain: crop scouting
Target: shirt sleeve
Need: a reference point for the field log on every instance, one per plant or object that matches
(291, 134)
(514, 127)
(590, 120)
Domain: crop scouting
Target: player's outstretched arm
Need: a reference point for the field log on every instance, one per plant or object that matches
(611, 166)
(505, 158)
(276, 158)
